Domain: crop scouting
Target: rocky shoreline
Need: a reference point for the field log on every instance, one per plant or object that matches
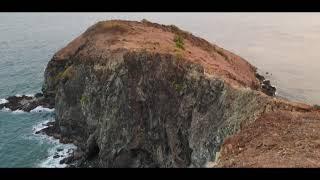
(77, 158)
(30, 103)
(73, 160)
(27, 103)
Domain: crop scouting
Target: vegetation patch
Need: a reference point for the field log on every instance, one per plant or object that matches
(84, 100)
(68, 73)
(178, 39)
(221, 53)
(179, 55)
(175, 29)
(145, 21)
(178, 86)
(112, 26)
(58, 76)
(316, 106)
(64, 75)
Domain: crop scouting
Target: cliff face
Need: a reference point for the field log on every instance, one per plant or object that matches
(139, 94)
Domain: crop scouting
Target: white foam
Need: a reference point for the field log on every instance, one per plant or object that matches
(40, 126)
(18, 111)
(42, 109)
(2, 101)
(51, 162)
(29, 95)
(38, 109)
(67, 149)
(5, 109)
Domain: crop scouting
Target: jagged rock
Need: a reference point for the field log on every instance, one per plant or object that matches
(27, 103)
(267, 88)
(260, 77)
(66, 160)
(38, 95)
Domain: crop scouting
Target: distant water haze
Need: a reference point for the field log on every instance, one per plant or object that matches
(286, 45)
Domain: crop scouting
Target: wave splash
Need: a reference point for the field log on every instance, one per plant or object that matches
(42, 109)
(58, 152)
(38, 109)
(3, 101)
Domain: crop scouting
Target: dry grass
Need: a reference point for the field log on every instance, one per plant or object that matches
(109, 26)
(316, 106)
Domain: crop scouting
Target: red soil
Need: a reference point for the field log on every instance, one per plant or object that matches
(139, 36)
(276, 139)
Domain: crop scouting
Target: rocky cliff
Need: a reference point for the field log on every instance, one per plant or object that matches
(140, 94)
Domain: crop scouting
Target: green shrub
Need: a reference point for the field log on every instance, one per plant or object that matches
(66, 74)
(55, 78)
(178, 87)
(179, 41)
(84, 99)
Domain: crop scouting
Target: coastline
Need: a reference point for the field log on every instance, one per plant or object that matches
(65, 153)
(59, 151)
(150, 108)
(199, 48)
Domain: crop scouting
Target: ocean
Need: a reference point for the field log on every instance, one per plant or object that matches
(284, 47)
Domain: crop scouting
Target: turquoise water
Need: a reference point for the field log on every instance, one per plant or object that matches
(284, 44)
(19, 147)
(27, 42)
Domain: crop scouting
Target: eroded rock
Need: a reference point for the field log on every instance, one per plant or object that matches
(27, 103)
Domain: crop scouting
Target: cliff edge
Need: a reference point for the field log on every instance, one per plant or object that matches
(141, 94)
